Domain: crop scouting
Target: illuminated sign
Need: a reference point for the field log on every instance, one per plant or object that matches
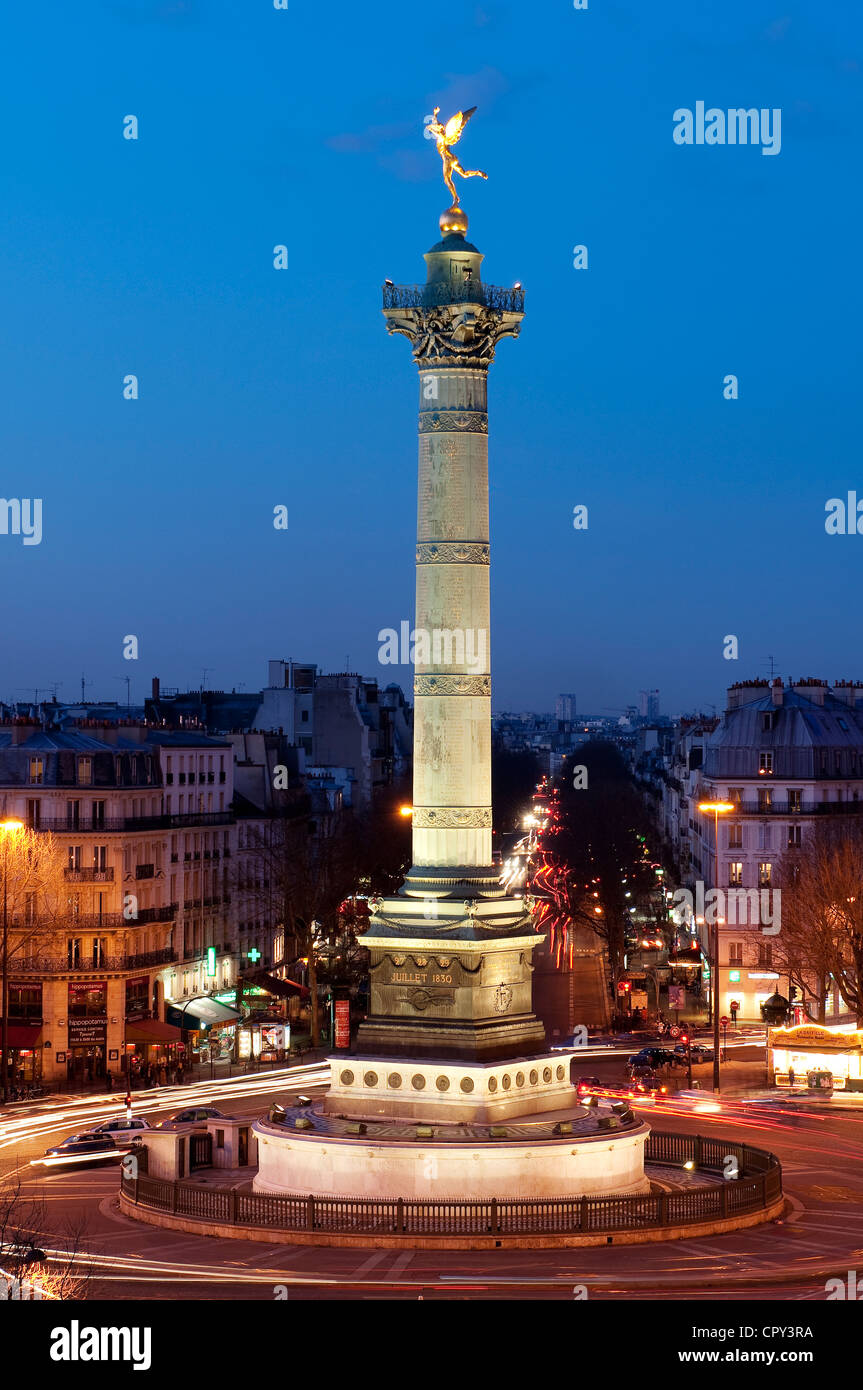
(211, 961)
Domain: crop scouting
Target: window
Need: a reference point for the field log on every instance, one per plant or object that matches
(85, 772)
(73, 951)
(735, 953)
(795, 800)
(100, 951)
(842, 725)
(735, 794)
(765, 798)
(765, 875)
(765, 763)
(794, 832)
(305, 716)
(768, 722)
(73, 815)
(100, 858)
(735, 875)
(34, 814)
(74, 858)
(765, 955)
(98, 815)
(37, 772)
(735, 835)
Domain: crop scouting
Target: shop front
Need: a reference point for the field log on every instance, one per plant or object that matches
(794, 1053)
(87, 1032)
(153, 1049)
(24, 1058)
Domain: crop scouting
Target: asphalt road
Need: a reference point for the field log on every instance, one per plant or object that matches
(820, 1147)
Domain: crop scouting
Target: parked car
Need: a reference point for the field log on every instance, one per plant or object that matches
(196, 1115)
(652, 1057)
(700, 1053)
(79, 1148)
(124, 1132)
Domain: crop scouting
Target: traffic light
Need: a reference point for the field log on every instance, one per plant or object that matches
(793, 993)
(684, 1038)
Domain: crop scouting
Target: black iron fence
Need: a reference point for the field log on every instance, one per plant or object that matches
(751, 1182)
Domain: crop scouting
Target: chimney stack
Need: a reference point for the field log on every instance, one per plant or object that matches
(777, 690)
(156, 687)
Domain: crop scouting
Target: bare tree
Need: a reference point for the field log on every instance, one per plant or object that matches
(26, 1239)
(34, 901)
(822, 914)
(307, 870)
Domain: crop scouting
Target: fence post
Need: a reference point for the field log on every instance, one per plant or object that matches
(585, 1215)
(400, 1215)
(663, 1208)
(235, 1206)
(310, 1213)
(696, 1150)
(724, 1208)
(175, 1192)
(495, 1228)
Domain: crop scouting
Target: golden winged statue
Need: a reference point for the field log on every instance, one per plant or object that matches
(445, 137)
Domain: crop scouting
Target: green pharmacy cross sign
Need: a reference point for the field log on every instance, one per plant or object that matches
(254, 954)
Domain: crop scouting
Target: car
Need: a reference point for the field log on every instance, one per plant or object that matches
(197, 1114)
(700, 1053)
(651, 1084)
(588, 1083)
(124, 1132)
(652, 1057)
(80, 1148)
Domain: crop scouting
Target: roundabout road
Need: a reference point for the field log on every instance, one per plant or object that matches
(821, 1150)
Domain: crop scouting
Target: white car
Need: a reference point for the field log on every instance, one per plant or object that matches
(124, 1132)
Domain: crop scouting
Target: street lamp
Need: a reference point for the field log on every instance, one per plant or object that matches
(718, 808)
(7, 828)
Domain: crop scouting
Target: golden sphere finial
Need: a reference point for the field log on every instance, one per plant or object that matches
(453, 221)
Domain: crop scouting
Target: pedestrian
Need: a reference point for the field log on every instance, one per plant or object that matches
(790, 1076)
(109, 1081)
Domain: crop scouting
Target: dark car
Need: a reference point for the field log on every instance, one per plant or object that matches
(584, 1084)
(700, 1053)
(195, 1115)
(652, 1057)
(651, 1084)
(78, 1149)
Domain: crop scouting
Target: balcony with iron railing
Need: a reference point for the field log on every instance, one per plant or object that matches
(89, 964)
(792, 808)
(89, 875)
(439, 292)
(111, 824)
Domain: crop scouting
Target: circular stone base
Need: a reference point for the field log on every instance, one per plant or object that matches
(330, 1159)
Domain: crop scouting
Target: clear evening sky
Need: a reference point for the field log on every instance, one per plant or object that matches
(258, 387)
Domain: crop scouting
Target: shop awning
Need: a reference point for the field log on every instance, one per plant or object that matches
(150, 1030)
(25, 1035)
(283, 989)
(207, 1010)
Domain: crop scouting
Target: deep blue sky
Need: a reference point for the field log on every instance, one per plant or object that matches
(260, 387)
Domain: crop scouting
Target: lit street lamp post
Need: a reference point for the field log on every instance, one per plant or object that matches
(8, 828)
(718, 808)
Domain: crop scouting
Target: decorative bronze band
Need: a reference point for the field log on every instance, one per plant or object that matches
(452, 685)
(453, 553)
(461, 421)
(452, 818)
